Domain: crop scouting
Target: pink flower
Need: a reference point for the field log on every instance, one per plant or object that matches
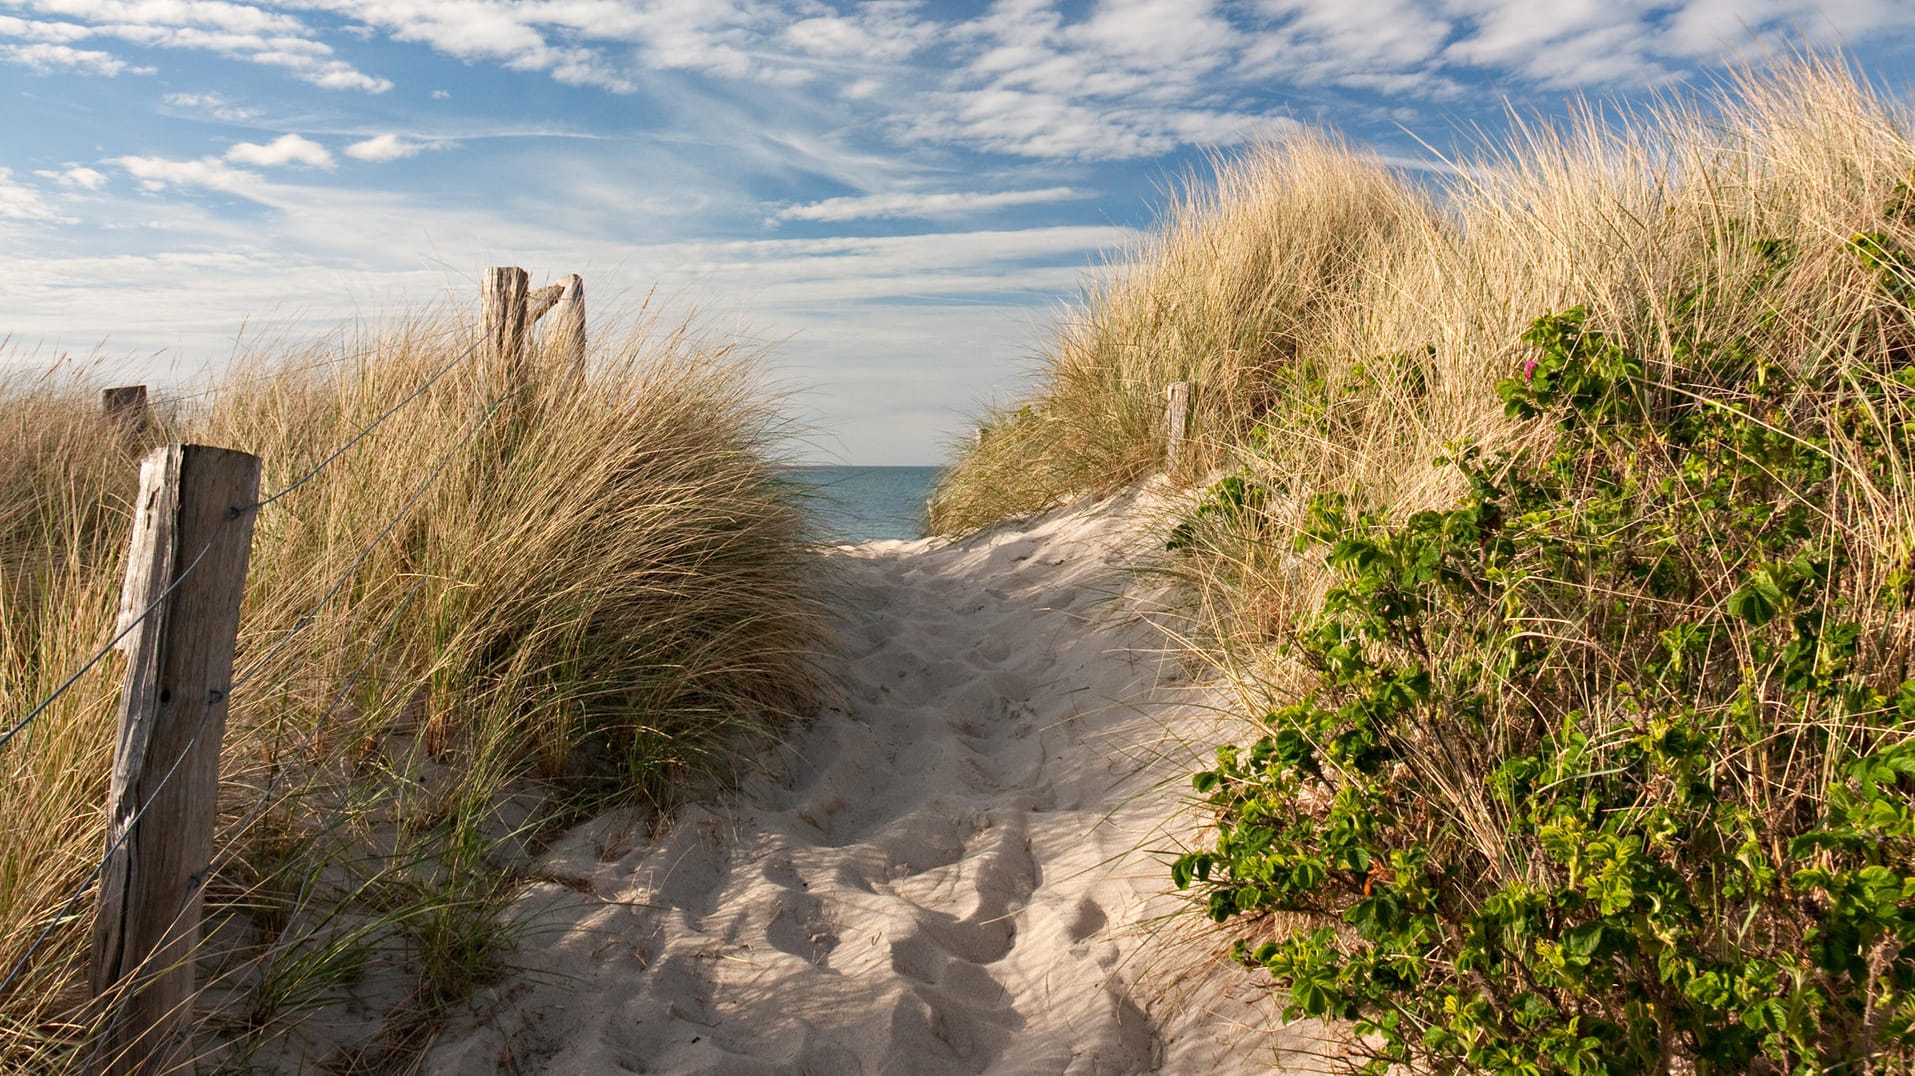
(1529, 369)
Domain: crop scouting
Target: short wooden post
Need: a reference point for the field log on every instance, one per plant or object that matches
(1176, 415)
(567, 327)
(192, 531)
(503, 305)
(565, 333)
(126, 407)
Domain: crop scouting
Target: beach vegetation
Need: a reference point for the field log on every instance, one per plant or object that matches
(1551, 535)
(504, 608)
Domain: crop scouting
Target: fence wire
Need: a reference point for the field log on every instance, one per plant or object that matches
(162, 396)
(337, 584)
(65, 685)
(233, 514)
(369, 427)
(65, 913)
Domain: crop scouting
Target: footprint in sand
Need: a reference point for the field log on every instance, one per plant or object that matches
(950, 877)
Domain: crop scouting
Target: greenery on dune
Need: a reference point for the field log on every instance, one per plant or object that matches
(1556, 536)
(496, 611)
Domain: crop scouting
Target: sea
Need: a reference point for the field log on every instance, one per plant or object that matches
(858, 504)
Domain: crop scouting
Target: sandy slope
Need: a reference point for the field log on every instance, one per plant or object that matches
(955, 875)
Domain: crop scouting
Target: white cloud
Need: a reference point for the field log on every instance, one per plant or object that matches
(287, 149)
(234, 30)
(1429, 48)
(213, 14)
(387, 147)
(333, 75)
(158, 173)
(889, 32)
(76, 176)
(213, 104)
(46, 58)
(1157, 35)
(36, 30)
(441, 95)
(21, 202)
(912, 205)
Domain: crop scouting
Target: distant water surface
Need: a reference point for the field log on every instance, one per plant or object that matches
(858, 504)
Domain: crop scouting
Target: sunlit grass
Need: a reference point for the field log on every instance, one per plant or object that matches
(585, 589)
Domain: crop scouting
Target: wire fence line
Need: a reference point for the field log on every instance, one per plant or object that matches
(100, 655)
(336, 586)
(233, 513)
(341, 579)
(126, 832)
(325, 717)
(200, 876)
(366, 431)
(165, 397)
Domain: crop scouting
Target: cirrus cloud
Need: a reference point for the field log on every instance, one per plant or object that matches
(923, 205)
(46, 58)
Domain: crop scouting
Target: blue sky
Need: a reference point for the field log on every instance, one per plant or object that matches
(895, 195)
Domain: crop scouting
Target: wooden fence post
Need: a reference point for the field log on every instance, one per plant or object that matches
(565, 301)
(503, 305)
(568, 322)
(126, 407)
(192, 531)
(1176, 414)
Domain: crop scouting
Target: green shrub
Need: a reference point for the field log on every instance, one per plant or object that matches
(1610, 765)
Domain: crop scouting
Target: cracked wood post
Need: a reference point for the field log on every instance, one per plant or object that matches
(192, 532)
(565, 333)
(1176, 414)
(567, 326)
(126, 407)
(504, 307)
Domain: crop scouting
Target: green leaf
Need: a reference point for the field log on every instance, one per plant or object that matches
(1756, 601)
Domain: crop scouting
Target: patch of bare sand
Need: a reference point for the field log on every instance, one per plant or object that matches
(960, 871)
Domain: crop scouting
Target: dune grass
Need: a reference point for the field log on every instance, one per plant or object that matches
(498, 611)
(1554, 534)
(1233, 292)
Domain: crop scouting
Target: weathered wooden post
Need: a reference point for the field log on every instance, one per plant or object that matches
(1176, 414)
(565, 333)
(567, 326)
(126, 407)
(503, 305)
(192, 533)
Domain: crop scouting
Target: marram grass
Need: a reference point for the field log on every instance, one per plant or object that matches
(1587, 749)
(592, 590)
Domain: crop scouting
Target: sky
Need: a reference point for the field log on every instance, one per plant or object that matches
(893, 197)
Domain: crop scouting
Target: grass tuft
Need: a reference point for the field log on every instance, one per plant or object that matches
(505, 607)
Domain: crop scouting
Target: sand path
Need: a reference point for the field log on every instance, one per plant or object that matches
(955, 874)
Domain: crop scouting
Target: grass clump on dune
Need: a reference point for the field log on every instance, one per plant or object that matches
(494, 613)
(1230, 293)
(1563, 579)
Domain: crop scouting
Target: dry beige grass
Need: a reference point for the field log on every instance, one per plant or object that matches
(595, 589)
(1342, 353)
(1343, 324)
(1235, 290)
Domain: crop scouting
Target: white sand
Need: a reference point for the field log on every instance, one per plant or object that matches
(961, 872)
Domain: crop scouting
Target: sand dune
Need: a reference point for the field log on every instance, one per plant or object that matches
(954, 874)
